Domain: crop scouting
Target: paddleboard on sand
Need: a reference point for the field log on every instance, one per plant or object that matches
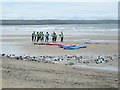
(90, 43)
(65, 46)
(42, 43)
(58, 44)
(76, 47)
(54, 43)
(51, 44)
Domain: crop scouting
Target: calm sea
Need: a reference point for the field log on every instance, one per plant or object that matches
(68, 29)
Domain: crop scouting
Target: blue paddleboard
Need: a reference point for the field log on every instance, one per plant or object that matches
(65, 46)
(76, 47)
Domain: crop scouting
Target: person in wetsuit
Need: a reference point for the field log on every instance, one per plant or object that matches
(61, 36)
(46, 37)
(54, 37)
(33, 36)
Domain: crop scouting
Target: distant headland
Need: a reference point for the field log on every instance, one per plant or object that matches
(49, 22)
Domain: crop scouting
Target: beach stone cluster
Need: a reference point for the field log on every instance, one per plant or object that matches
(65, 59)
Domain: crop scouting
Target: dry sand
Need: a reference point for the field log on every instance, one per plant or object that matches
(26, 74)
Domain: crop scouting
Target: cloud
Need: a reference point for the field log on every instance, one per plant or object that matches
(63, 10)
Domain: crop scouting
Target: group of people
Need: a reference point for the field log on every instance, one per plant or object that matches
(36, 36)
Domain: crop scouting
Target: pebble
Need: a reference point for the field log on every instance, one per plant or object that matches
(70, 59)
(3, 54)
(71, 63)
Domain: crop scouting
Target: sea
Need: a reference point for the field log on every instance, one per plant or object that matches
(68, 29)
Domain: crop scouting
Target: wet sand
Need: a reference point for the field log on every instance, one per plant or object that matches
(25, 46)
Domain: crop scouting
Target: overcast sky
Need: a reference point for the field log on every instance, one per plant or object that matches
(60, 10)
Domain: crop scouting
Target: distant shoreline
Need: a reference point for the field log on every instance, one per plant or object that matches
(50, 22)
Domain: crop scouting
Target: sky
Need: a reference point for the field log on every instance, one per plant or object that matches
(94, 10)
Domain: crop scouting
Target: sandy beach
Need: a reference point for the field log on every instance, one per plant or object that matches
(26, 74)
(31, 74)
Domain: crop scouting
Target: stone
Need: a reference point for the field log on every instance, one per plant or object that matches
(3, 54)
(71, 63)
(17, 57)
(13, 54)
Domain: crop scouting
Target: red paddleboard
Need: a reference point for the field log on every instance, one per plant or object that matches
(65, 44)
(58, 44)
(53, 43)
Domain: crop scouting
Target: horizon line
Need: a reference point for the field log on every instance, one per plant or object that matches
(58, 19)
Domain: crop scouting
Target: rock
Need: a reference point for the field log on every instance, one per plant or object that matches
(79, 62)
(50, 57)
(78, 59)
(7, 56)
(26, 57)
(62, 59)
(106, 61)
(97, 63)
(71, 63)
(17, 57)
(81, 57)
(21, 58)
(33, 60)
(84, 62)
(46, 61)
(34, 57)
(96, 60)
(3, 54)
(75, 56)
(56, 60)
(39, 60)
(69, 56)
(68, 59)
(13, 54)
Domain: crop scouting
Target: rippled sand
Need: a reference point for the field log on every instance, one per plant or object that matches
(26, 74)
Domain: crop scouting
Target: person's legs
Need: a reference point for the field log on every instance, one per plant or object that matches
(42, 38)
(61, 39)
(52, 39)
(47, 39)
(35, 38)
(32, 38)
(55, 39)
(38, 39)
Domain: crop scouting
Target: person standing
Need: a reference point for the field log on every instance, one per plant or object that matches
(61, 36)
(33, 36)
(42, 36)
(54, 37)
(38, 36)
(46, 37)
